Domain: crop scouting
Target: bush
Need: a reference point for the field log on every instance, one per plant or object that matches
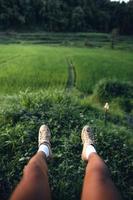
(126, 105)
(106, 90)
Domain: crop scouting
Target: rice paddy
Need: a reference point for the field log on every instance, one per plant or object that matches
(37, 67)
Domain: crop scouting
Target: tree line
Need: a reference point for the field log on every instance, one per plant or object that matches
(67, 15)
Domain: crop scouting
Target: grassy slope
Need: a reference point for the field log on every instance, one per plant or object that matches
(66, 115)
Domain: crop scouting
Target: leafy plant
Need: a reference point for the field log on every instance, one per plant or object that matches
(108, 89)
(65, 116)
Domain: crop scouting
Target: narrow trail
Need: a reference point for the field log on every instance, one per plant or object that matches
(71, 81)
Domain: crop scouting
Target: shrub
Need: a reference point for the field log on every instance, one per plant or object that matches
(126, 105)
(108, 89)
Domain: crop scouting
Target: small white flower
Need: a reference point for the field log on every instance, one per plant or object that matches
(106, 107)
(81, 115)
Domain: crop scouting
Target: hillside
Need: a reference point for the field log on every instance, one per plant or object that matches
(65, 114)
(65, 85)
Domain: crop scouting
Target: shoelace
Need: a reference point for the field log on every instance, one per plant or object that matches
(88, 136)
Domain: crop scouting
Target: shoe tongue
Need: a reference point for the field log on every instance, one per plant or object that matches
(89, 141)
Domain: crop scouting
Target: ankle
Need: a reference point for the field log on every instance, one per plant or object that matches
(90, 151)
(44, 148)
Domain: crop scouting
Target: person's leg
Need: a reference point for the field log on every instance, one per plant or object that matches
(97, 182)
(34, 184)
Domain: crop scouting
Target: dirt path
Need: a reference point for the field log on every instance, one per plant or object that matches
(71, 75)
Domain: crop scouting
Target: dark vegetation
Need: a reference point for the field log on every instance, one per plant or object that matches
(67, 16)
(109, 89)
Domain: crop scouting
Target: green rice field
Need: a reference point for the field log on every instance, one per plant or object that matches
(41, 66)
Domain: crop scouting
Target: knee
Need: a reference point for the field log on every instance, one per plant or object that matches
(33, 171)
(99, 172)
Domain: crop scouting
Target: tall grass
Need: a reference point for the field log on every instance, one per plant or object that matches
(95, 64)
(35, 67)
(39, 66)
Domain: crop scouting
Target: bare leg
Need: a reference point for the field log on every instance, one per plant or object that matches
(34, 184)
(97, 182)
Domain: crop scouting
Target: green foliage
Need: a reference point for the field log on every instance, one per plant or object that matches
(61, 15)
(65, 116)
(106, 90)
(126, 104)
(78, 22)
